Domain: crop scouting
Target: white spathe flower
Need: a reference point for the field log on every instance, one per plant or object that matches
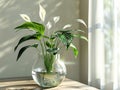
(42, 13)
(56, 19)
(25, 17)
(49, 25)
(67, 26)
(81, 21)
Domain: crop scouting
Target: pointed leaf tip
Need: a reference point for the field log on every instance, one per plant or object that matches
(24, 48)
(75, 50)
(26, 38)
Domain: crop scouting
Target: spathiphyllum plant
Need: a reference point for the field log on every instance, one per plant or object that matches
(49, 45)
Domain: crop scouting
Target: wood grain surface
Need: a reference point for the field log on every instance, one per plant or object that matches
(67, 84)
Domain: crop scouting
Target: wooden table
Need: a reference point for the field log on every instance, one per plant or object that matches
(67, 84)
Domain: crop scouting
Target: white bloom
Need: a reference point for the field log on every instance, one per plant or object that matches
(49, 25)
(42, 13)
(56, 19)
(67, 26)
(25, 17)
(81, 21)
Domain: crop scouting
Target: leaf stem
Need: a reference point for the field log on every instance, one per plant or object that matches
(42, 47)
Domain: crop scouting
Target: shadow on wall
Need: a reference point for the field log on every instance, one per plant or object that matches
(9, 19)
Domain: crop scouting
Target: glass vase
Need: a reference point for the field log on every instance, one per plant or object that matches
(51, 75)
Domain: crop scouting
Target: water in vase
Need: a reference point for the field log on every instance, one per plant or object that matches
(47, 80)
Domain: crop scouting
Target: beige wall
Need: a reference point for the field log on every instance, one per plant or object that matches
(68, 10)
(83, 44)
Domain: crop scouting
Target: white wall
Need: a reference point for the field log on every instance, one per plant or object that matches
(68, 10)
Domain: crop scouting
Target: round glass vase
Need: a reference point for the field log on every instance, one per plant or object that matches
(48, 71)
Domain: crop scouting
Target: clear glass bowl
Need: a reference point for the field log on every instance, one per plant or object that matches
(48, 79)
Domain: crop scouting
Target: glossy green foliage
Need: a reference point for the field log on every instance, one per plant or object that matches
(39, 32)
(65, 37)
(48, 61)
(49, 45)
(26, 38)
(39, 28)
(24, 48)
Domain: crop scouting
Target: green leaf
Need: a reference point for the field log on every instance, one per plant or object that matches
(45, 36)
(64, 31)
(48, 44)
(53, 50)
(32, 26)
(75, 50)
(28, 37)
(24, 48)
(65, 37)
(52, 37)
(48, 61)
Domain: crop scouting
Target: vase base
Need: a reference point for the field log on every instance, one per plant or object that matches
(47, 80)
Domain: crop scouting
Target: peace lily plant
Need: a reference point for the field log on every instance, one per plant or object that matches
(49, 45)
